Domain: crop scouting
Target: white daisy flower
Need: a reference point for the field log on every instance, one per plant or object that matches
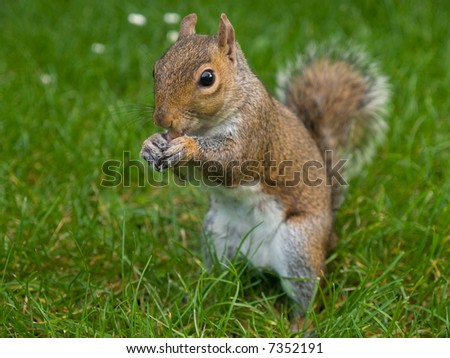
(171, 18)
(98, 48)
(46, 79)
(172, 35)
(137, 19)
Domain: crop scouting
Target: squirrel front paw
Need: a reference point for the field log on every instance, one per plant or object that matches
(152, 150)
(180, 149)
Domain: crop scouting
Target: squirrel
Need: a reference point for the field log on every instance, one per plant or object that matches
(263, 161)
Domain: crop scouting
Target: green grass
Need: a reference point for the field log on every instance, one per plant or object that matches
(78, 259)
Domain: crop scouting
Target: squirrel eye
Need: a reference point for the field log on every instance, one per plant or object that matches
(207, 78)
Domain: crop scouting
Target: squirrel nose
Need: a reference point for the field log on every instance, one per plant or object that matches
(160, 118)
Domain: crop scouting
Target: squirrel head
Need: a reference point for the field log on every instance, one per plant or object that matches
(195, 80)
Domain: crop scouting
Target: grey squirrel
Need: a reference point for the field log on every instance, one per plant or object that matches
(263, 163)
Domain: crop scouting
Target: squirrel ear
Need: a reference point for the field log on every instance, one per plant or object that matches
(227, 42)
(187, 26)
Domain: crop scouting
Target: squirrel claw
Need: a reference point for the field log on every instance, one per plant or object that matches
(169, 160)
(151, 159)
(180, 149)
(152, 150)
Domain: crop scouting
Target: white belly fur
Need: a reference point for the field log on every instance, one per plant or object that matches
(248, 220)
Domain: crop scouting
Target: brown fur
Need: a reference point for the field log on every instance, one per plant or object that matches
(236, 120)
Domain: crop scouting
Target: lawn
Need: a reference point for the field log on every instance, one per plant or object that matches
(83, 255)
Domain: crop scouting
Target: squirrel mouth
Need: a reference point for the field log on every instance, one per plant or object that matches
(170, 135)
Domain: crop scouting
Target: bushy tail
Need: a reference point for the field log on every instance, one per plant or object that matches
(342, 99)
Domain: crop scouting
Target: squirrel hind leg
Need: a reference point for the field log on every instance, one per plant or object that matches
(300, 248)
